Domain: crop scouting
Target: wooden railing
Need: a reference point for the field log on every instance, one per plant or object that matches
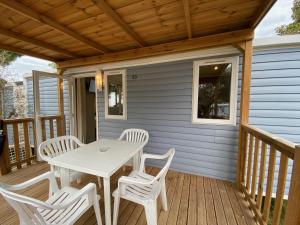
(53, 121)
(20, 143)
(258, 153)
(21, 151)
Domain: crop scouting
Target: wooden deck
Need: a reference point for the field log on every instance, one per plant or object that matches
(192, 200)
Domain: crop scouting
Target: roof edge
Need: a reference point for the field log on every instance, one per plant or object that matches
(277, 41)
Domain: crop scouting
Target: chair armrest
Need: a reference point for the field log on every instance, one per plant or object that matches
(150, 156)
(131, 180)
(45, 176)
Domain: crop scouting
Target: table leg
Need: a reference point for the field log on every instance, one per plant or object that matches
(64, 177)
(106, 184)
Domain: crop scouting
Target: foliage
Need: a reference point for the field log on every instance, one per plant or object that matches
(294, 27)
(7, 57)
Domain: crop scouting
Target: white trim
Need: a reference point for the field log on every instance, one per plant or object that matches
(202, 53)
(286, 41)
(124, 87)
(233, 90)
(75, 106)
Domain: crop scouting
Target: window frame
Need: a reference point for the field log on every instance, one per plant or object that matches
(124, 90)
(234, 60)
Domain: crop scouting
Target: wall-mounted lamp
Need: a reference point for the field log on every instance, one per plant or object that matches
(99, 80)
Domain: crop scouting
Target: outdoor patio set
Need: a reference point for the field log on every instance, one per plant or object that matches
(70, 159)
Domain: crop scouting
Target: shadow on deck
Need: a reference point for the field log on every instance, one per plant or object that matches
(192, 200)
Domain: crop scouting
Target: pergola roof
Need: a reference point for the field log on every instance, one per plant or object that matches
(72, 30)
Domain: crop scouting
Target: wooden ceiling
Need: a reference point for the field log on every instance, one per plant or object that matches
(70, 30)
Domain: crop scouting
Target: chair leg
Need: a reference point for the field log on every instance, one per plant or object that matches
(99, 182)
(151, 212)
(163, 196)
(116, 209)
(97, 212)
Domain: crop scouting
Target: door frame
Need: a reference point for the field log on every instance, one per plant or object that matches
(74, 101)
(37, 107)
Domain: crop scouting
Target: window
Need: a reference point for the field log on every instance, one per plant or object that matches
(115, 94)
(215, 91)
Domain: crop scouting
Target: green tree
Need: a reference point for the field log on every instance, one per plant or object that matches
(7, 57)
(294, 27)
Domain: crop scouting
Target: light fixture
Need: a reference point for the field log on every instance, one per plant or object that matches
(216, 68)
(99, 80)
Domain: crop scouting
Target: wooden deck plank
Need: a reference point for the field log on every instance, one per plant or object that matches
(220, 214)
(201, 209)
(191, 200)
(209, 203)
(229, 214)
(192, 212)
(173, 215)
(184, 202)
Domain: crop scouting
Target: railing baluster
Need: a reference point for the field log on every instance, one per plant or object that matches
(280, 188)
(249, 166)
(269, 188)
(17, 144)
(51, 128)
(26, 142)
(262, 172)
(254, 172)
(43, 125)
(244, 155)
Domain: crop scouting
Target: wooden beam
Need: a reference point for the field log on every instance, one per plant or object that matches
(244, 109)
(35, 42)
(261, 12)
(26, 52)
(186, 8)
(28, 12)
(163, 49)
(240, 46)
(246, 83)
(103, 5)
(60, 91)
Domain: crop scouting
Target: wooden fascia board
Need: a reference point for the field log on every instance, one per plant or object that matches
(26, 52)
(222, 39)
(28, 12)
(35, 42)
(264, 9)
(118, 20)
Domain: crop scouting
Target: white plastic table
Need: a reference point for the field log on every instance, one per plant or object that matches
(91, 159)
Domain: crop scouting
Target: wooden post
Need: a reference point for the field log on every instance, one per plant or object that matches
(4, 159)
(292, 216)
(37, 113)
(244, 109)
(60, 91)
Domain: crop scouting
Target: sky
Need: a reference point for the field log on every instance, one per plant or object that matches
(278, 15)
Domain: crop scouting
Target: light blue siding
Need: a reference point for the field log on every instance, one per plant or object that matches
(160, 101)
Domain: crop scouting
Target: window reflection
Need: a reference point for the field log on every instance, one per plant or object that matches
(214, 91)
(115, 94)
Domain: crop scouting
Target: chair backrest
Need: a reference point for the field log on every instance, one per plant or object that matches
(28, 209)
(135, 135)
(58, 145)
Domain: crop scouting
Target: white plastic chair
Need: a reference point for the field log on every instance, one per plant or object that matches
(143, 188)
(136, 136)
(57, 146)
(63, 207)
